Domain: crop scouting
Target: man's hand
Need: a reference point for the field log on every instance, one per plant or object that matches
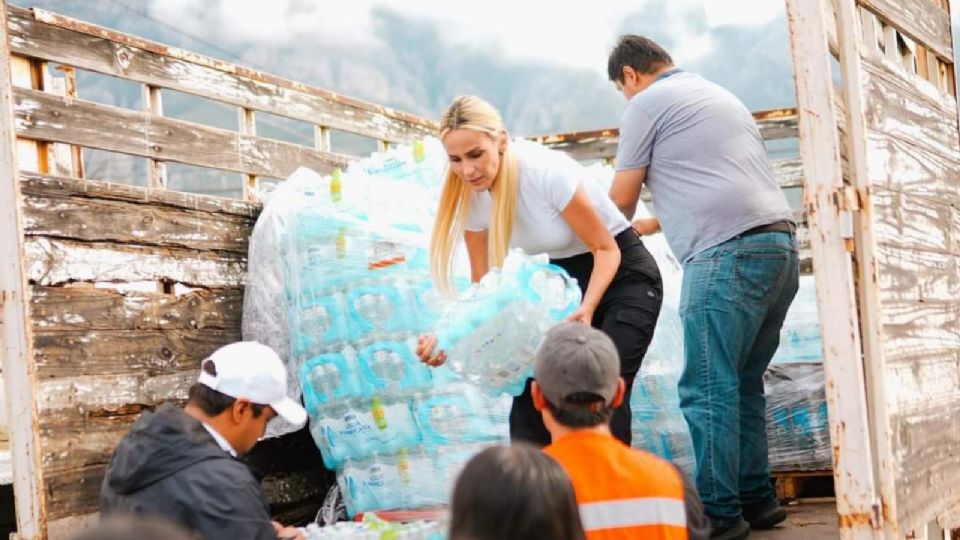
(646, 226)
(287, 533)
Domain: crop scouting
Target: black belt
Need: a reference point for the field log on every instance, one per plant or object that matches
(777, 226)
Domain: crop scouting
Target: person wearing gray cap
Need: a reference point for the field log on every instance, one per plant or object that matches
(622, 492)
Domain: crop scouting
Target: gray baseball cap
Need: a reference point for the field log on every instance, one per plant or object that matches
(575, 358)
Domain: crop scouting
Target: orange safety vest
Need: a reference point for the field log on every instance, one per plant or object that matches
(622, 492)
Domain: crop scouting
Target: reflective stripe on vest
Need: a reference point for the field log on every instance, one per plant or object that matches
(633, 513)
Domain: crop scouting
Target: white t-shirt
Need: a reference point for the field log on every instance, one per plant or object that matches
(548, 180)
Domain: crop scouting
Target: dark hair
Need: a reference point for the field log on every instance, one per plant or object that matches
(212, 402)
(640, 53)
(133, 526)
(585, 416)
(514, 493)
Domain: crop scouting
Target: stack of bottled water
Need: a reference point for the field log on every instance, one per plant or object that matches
(800, 336)
(358, 293)
(373, 528)
(798, 433)
(657, 424)
(492, 332)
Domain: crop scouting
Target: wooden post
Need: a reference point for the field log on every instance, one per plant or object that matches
(248, 126)
(321, 138)
(857, 502)
(156, 169)
(19, 370)
(871, 327)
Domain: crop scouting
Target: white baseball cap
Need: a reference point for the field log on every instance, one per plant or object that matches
(251, 370)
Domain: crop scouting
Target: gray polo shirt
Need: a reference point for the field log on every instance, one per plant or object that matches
(707, 167)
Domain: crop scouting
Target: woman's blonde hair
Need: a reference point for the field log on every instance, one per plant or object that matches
(469, 112)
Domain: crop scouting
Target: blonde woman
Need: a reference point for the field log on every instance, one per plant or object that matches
(500, 194)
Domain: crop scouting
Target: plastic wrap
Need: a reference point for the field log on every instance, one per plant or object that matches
(800, 336)
(491, 333)
(339, 283)
(374, 528)
(798, 433)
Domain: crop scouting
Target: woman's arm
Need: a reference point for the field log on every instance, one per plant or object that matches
(584, 220)
(478, 254)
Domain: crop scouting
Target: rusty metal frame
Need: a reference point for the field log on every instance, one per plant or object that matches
(19, 372)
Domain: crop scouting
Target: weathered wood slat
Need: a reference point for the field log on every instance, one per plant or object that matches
(98, 49)
(130, 355)
(910, 222)
(53, 262)
(53, 118)
(77, 491)
(63, 398)
(926, 444)
(81, 441)
(901, 165)
(911, 275)
(81, 308)
(917, 331)
(32, 183)
(918, 115)
(922, 20)
(94, 220)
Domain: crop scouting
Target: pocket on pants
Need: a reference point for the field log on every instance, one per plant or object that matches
(631, 331)
(758, 273)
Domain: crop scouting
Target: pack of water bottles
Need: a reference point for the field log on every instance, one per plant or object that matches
(339, 284)
(657, 424)
(798, 433)
(800, 339)
(373, 528)
(491, 333)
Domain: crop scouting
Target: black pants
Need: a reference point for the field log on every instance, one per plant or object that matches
(627, 313)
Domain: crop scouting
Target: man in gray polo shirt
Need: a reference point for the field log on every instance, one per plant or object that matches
(697, 148)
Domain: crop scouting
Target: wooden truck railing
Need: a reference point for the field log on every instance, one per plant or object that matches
(113, 293)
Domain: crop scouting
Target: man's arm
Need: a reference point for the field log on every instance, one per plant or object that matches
(625, 191)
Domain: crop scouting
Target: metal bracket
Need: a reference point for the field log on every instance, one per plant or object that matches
(848, 200)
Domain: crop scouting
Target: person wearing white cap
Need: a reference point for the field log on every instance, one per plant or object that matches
(183, 464)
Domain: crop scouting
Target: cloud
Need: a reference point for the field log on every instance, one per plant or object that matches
(577, 35)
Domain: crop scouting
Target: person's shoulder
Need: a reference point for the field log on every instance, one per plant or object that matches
(220, 473)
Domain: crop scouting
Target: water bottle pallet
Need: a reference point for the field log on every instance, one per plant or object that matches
(791, 485)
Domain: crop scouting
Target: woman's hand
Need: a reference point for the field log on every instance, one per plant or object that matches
(425, 351)
(583, 314)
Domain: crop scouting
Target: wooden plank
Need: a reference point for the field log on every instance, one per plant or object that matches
(19, 375)
(901, 164)
(81, 308)
(82, 442)
(929, 478)
(77, 491)
(917, 275)
(152, 98)
(95, 220)
(916, 332)
(112, 353)
(821, 149)
(898, 107)
(46, 117)
(108, 395)
(71, 42)
(40, 184)
(53, 262)
(907, 221)
(602, 143)
(922, 20)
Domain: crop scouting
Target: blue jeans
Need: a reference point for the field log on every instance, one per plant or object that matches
(733, 302)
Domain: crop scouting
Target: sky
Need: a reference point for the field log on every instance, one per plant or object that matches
(542, 66)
